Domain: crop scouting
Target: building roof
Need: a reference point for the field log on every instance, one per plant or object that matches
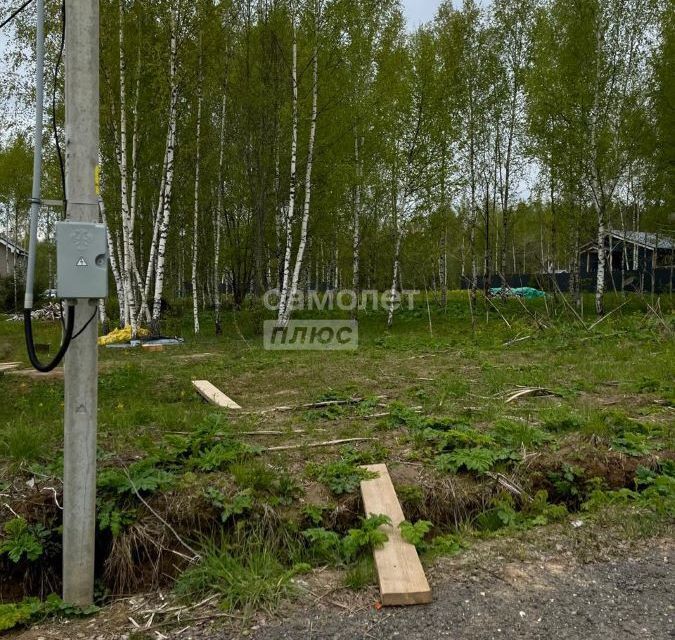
(649, 240)
(641, 238)
(13, 248)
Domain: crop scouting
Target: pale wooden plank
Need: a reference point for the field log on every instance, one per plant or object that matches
(8, 366)
(214, 395)
(400, 572)
(153, 347)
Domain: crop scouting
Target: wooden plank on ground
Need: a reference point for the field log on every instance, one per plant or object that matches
(55, 374)
(214, 395)
(8, 366)
(152, 347)
(400, 572)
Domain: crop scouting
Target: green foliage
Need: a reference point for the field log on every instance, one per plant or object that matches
(456, 438)
(518, 434)
(503, 513)
(415, 533)
(540, 511)
(254, 475)
(33, 610)
(367, 536)
(632, 444)
(567, 481)
(411, 495)
(15, 615)
(111, 515)
(478, 459)
(314, 513)
(143, 476)
(22, 539)
(247, 579)
(654, 492)
(324, 546)
(446, 545)
(561, 421)
(361, 573)
(239, 504)
(340, 477)
(221, 455)
(23, 441)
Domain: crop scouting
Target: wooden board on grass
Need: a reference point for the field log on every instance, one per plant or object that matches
(400, 572)
(214, 395)
(8, 366)
(152, 347)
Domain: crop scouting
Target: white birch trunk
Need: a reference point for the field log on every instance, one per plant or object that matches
(166, 201)
(288, 307)
(395, 275)
(134, 193)
(600, 282)
(290, 212)
(129, 298)
(150, 271)
(356, 266)
(218, 222)
(195, 220)
(114, 267)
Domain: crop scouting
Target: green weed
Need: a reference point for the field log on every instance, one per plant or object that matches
(361, 574)
(415, 533)
(22, 539)
(340, 477)
(247, 579)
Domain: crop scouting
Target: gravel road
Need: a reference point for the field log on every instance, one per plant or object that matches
(480, 595)
(633, 597)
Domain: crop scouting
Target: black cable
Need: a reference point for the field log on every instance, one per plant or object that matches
(86, 324)
(65, 343)
(27, 313)
(55, 127)
(15, 13)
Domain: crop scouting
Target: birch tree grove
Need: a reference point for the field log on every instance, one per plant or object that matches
(305, 145)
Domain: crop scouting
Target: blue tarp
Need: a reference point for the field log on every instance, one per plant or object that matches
(521, 292)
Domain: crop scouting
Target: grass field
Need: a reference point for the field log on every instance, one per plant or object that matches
(596, 439)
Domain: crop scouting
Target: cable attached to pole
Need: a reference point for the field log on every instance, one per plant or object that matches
(35, 210)
(65, 343)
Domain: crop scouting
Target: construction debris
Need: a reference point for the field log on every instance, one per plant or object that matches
(50, 312)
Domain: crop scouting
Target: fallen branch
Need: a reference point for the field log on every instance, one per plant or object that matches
(509, 485)
(516, 339)
(597, 322)
(275, 433)
(312, 445)
(318, 405)
(196, 555)
(501, 315)
(533, 391)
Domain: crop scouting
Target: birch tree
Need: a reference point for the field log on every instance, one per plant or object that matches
(164, 208)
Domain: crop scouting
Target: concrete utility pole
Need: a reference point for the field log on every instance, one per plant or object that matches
(81, 365)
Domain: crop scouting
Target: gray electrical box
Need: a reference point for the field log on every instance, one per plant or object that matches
(81, 260)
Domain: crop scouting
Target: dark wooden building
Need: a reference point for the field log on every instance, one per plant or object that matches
(628, 251)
